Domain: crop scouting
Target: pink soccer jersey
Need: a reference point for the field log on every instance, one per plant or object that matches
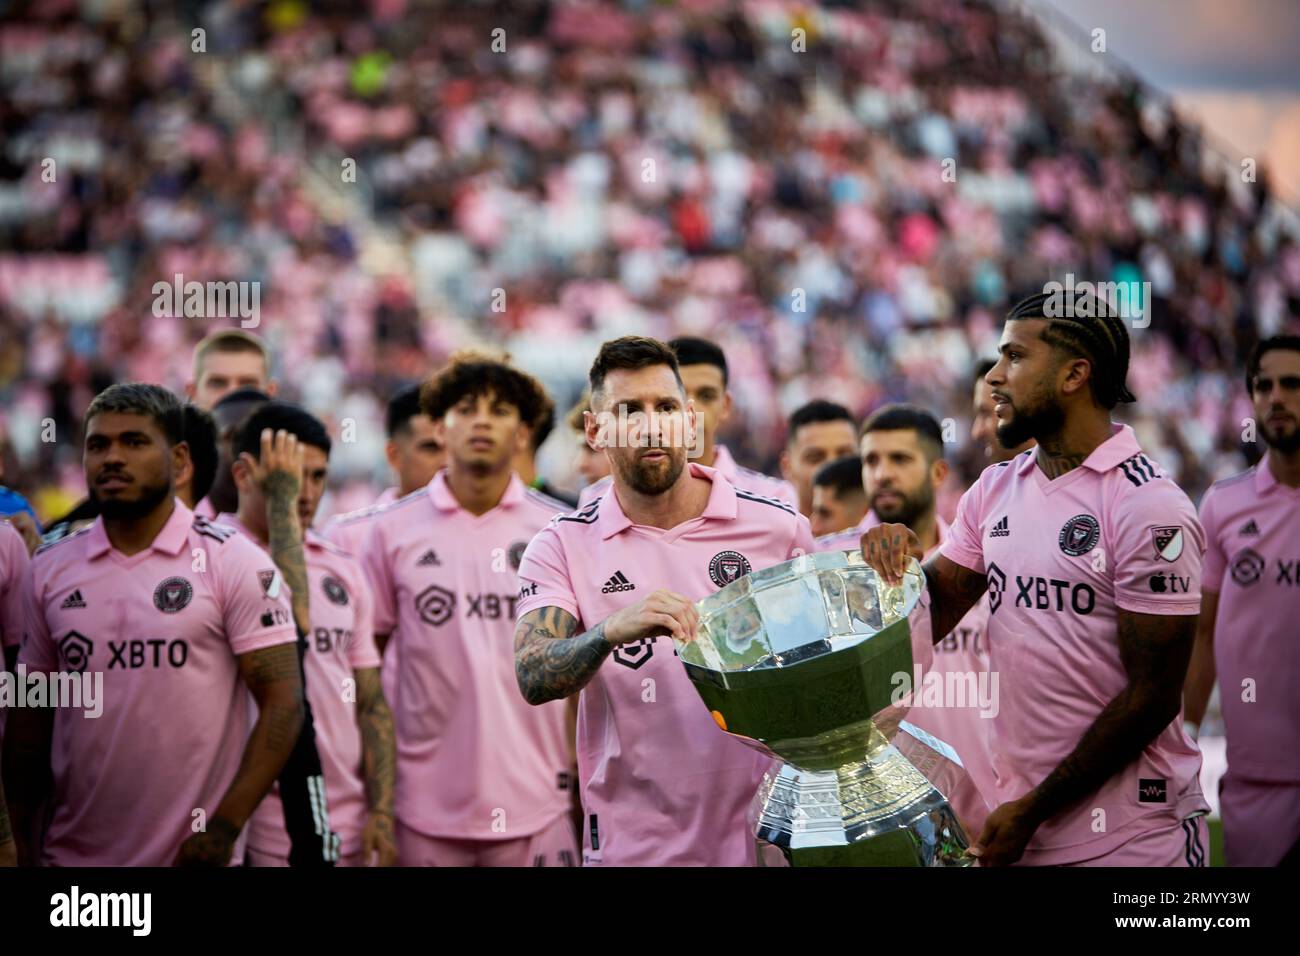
(351, 532)
(474, 760)
(1252, 559)
(13, 569)
(341, 641)
(1062, 558)
(164, 627)
(742, 478)
(662, 784)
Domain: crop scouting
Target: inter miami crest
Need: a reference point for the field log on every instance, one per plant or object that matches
(172, 595)
(334, 589)
(1168, 542)
(728, 566)
(1079, 536)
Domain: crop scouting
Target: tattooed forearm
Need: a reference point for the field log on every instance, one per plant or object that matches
(1154, 650)
(271, 665)
(284, 540)
(550, 662)
(274, 678)
(953, 590)
(378, 741)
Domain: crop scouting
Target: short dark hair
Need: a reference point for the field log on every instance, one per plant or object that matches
(1290, 343)
(982, 368)
(1098, 335)
(201, 436)
(900, 417)
(696, 351)
(138, 398)
(475, 373)
(275, 415)
(240, 396)
(402, 407)
(817, 411)
(843, 476)
(629, 353)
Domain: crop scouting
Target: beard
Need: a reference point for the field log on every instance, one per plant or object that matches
(1285, 442)
(907, 511)
(151, 496)
(651, 479)
(1044, 419)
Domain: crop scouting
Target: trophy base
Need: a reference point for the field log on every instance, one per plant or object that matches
(879, 811)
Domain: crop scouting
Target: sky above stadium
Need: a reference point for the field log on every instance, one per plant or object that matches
(1232, 65)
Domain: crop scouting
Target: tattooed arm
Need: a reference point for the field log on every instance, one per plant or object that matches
(278, 473)
(379, 766)
(551, 662)
(954, 589)
(1154, 649)
(274, 677)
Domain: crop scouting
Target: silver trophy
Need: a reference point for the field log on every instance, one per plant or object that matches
(802, 661)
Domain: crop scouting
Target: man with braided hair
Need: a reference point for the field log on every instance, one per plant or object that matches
(1091, 558)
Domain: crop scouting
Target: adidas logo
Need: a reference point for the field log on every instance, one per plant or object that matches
(73, 600)
(428, 559)
(1249, 527)
(618, 582)
(1001, 529)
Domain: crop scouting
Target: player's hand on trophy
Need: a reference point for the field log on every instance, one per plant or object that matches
(1006, 833)
(886, 548)
(662, 612)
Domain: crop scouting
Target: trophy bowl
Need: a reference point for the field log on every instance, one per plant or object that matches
(803, 661)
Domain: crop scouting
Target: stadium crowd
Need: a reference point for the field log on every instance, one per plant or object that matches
(613, 168)
(826, 211)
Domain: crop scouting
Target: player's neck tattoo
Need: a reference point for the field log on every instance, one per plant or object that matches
(1056, 461)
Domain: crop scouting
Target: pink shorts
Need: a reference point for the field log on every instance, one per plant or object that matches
(553, 845)
(1180, 844)
(256, 858)
(1261, 820)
